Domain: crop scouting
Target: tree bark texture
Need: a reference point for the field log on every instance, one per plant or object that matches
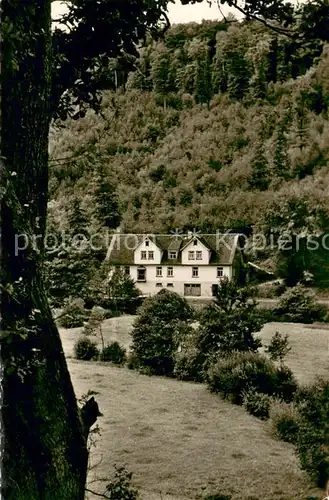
(45, 449)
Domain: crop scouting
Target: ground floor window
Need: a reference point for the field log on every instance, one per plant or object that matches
(192, 290)
(141, 274)
(127, 270)
(214, 290)
(158, 284)
(170, 284)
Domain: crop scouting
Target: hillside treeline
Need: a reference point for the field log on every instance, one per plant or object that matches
(216, 126)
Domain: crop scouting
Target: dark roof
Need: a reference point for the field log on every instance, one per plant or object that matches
(222, 247)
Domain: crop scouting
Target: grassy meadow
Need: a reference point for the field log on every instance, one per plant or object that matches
(177, 438)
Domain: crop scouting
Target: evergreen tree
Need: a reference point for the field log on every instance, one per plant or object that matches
(260, 173)
(77, 219)
(282, 164)
(203, 84)
(107, 208)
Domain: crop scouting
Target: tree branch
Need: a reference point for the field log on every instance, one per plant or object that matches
(277, 29)
(102, 495)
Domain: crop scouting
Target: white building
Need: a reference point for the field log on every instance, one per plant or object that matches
(191, 264)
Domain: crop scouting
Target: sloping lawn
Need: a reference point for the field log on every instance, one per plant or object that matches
(309, 355)
(176, 437)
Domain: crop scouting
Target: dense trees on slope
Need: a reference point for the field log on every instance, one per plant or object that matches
(201, 138)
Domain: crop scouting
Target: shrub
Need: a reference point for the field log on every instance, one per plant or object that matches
(257, 403)
(189, 365)
(230, 323)
(233, 375)
(85, 349)
(120, 488)
(114, 353)
(239, 372)
(158, 331)
(313, 440)
(284, 384)
(132, 362)
(297, 305)
(285, 421)
(73, 315)
(278, 347)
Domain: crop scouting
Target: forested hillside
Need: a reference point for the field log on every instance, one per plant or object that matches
(219, 125)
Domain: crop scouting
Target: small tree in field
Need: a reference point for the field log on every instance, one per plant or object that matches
(161, 325)
(94, 325)
(278, 348)
(230, 322)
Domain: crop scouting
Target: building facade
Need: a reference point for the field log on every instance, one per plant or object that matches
(191, 265)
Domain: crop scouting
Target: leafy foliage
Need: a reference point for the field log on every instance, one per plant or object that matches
(159, 329)
(257, 403)
(113, 353)
(239, 372)
(278, 348)
(312, 442)
(120, 487)
(85, 349)
(298, 305)
(285, 421)
(73, 315)
(230, 323)
(94, 325)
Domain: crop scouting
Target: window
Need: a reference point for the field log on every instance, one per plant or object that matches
(220, 272)
(192, 290)
(159, 272)
(191, 256)
(141, 274)
(147, 243)
(195, 242)
(172, 255)
(158, 284)
(170, 284)
(198, 255)
(151, 255)
(143, 255)
(127, 270)
(195, 272)
(170, 271)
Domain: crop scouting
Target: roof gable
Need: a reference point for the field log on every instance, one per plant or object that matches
(223, 247)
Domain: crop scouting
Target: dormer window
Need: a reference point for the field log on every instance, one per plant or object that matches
(147, 243)
(172, 255)
(195, 242)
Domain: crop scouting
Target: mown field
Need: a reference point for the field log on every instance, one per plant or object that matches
(177, 438)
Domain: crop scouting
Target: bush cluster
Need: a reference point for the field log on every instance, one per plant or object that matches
(114, 353)
(239, 372)
(257, 404)
(297, 305)
(160, 328)
(189, 365)
(85, 349)
(74, 314)
(285, 421)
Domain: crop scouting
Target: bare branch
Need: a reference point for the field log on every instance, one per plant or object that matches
(277, 29)
(102, 495)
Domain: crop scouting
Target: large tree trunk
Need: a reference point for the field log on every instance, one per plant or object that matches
(45, 450)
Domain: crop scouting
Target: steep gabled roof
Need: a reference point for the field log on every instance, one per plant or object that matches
(222, 247)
